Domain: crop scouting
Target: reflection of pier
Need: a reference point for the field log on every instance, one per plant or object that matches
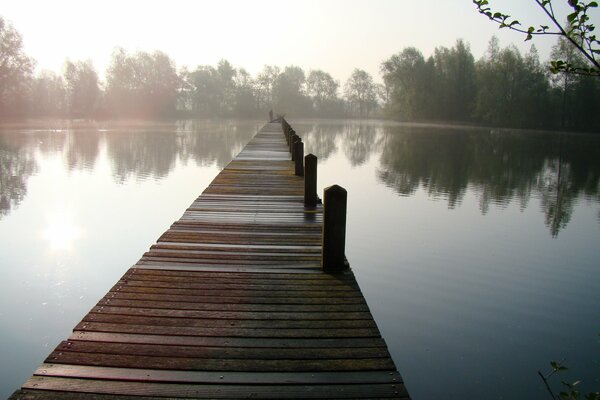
(231, 302)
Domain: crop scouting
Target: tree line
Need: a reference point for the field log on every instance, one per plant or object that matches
(503, 88)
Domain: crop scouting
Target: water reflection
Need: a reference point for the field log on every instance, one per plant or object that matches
(61, 231)
(500, 167)
(16, 166)
(136, 151)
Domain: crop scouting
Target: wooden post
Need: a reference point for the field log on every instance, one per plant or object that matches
(334, 229)
(293, 140)
(299, 158)
(310, 180)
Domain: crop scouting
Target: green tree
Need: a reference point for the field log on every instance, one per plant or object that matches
(15, 71)
(322, 89)
(142, 85)
(204, 82)
(82, 87)
(245, 101)
(226, 87)
(48, 95)
(578, 31)
(289, 94)
(360, 93)
(408, 79)
(455, 82)
(511, 88)
(264, 84)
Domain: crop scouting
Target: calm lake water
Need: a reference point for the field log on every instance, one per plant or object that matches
(477, 250)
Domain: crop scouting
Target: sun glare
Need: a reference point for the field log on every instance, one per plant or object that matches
(61, 232)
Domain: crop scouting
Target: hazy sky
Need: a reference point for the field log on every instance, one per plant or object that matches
(334, 35)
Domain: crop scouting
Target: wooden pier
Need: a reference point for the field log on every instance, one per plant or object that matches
(231, 302)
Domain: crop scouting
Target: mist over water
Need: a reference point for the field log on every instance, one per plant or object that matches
(476, 249)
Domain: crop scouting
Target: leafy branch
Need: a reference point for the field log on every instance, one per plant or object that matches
(579, 32)
(570, 391)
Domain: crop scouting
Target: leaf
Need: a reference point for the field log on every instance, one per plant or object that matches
(571, 17)
(593, 4)
(529, 37)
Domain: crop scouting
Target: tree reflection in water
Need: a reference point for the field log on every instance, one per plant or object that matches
(499, 166)
(16, 166)
(136, 151)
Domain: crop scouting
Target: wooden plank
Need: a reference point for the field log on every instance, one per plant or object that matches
(220, 341)
(229, 332)
(220, 377)
(248, 353)
(220, 364)
(114, 387)
(234, 315)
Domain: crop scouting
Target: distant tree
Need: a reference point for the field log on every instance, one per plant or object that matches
(578, 31)
(226, 74)
(82, 87)
(264, 84)
(408, 80)
(322, 89)
(48, 95)
(360, 93)
(205, 84)
(245, 101)
(537, 106)
(566, 82)
(142, 85)
(289, 95)
(15, 71)
(184, 92)
(512, 89)
(455, 82)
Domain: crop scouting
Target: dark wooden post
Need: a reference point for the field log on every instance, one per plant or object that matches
(299, 158)
(334, 229)
(295, 138)
(310, 180)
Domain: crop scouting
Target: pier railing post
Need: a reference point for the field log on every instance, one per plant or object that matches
(333, 258)
(295, 138)
(310, 180)
(299, 158)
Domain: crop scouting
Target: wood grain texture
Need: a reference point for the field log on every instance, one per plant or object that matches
(230, 302)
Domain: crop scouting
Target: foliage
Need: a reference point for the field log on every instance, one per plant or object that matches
(578, 30)
(15, 70)
(570, 390)
(511, 88)
(360, 93)
(48, 94)
(141, 84)
(504, 88)
(82, 88)
(289, 91)
(406, 76)
(322, 88)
